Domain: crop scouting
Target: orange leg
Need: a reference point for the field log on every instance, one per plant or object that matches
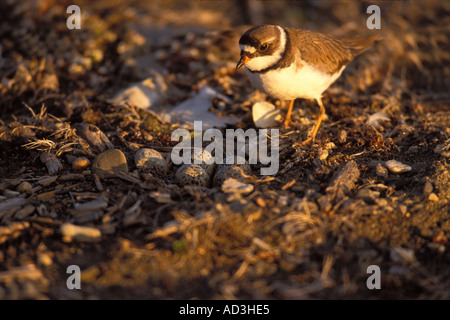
(317, 125)
(287, 121)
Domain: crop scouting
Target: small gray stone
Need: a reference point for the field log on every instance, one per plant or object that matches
(10, 193)
(231, 185)
(192, 174)
(51, 162)
(90, 206)
(150, 159)
(381, 171)
(397, 167)
(108, 163)
(46, 181)
(24, 212)
(9, 204)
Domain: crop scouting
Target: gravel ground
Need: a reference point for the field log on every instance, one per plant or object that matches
(373, 190)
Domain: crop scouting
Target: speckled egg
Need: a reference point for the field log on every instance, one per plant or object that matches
(206, 159)
(192, 174)
(235, 170)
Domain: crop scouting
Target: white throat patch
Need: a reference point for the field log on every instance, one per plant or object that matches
(261, 63)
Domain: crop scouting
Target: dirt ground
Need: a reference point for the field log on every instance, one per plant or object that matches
(309, 232)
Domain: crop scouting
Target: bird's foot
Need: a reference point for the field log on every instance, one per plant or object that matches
(309, 141)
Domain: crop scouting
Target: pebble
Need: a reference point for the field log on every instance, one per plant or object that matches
(78, 233)
(51, 162)
(231, 185)
(24, 187)
(150, 159)
(433, 197)
(342, 136)
(397, 167)
(283, 201)
(192, 174)
(71, 177)
(91, 205)
(86, 217)
(80, 163)
(403, 209)
(427, 188)
(10, 193)
(46, 195)
(323, 154)
(265, 115)
(24, 212)
(109, 162)
(9, 204)
(46, 181)
(44, 259)
(381, 171)
(399, 254)
(261, 202)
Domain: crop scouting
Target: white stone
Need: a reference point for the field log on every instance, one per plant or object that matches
(265, 115)
(397, 167)
(144, 94)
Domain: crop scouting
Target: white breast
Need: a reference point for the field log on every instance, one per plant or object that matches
(292, 83)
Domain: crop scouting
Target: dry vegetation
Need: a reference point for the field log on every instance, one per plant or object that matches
(310, 231)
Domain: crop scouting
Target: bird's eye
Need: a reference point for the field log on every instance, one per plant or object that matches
(263, 47)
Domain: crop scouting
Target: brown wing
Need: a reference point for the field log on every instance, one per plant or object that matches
(326, 54)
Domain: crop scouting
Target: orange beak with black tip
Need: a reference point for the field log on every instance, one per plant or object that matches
(244, 59)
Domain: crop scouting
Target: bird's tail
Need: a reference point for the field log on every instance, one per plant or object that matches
(358, 46)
